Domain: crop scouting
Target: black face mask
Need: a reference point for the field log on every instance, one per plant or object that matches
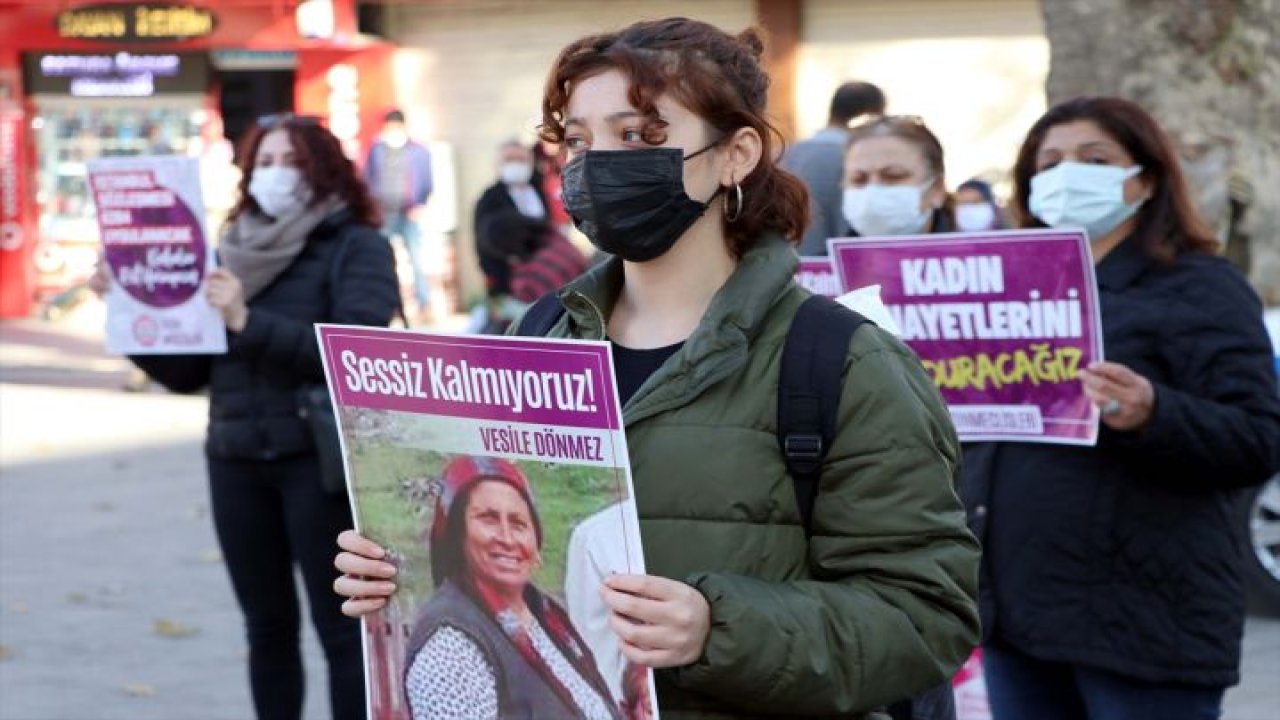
(632, 203)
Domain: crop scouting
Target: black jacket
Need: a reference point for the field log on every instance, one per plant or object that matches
(253, 388)
(1123, 556)
(491, 249)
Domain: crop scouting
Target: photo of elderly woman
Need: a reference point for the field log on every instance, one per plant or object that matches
(490, 620)
(490, 643)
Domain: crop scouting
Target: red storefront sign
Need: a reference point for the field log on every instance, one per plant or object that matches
(12, 187)
(350, 97)
(15, 202)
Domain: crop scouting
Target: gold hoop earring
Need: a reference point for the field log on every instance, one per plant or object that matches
(737, 189)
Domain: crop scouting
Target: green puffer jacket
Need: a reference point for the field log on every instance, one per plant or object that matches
(881, 602)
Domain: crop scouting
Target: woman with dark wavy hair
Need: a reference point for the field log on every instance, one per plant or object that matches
(1111, 583)
(749, 610)
(301, 247)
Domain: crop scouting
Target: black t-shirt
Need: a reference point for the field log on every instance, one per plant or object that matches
(633, 367)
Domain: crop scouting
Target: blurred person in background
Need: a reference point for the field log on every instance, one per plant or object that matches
(514, 190)
(553, 264)
(818, 161)
(398, 173)
(745, 612)
(157, 137)
(303, 217)
(895, 180)
(507, 222)
(1111, 575)
(976, 207)
(546, 172)
(533, 258)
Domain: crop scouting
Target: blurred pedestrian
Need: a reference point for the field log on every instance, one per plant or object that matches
(1111, 582)
(523, 259)
(895, 180)
(547, 177)
(671, 171)
(514, 190)
(976, 207)
(818, 161)
(554, 263)
(398, 172)
(304, 218)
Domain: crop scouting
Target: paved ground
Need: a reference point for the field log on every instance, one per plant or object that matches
(114, 604)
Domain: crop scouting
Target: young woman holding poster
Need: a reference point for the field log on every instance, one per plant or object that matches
(671, 170)
(1111, 582)
(300, 204)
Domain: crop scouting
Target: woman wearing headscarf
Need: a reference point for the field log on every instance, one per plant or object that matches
(489, 643)
(976, 207)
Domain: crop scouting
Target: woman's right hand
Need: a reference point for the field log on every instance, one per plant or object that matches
(100, 281)
(366, 575)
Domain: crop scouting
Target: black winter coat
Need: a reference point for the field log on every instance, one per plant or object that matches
(1123, 556)
(253, 388)
(492, 250)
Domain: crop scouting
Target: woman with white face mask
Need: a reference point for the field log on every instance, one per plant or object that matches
(895, 179)
(1111, 574)
(976, 207)
(301, 247)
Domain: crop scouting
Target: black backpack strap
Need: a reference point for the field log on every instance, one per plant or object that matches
(809, 387)
(541, 316)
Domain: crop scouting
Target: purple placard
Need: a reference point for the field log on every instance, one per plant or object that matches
(1003, 322)
(552, 382)
(153, 242)
(818, 276)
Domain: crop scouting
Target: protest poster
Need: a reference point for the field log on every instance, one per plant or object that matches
(495, 472)
(1003, 322)
(818, 276)
(151, 218)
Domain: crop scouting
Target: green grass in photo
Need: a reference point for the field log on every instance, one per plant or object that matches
(396, 504)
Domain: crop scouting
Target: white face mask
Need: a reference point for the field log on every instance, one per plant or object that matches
(515, 173)
(278, 190)
(1072, 194)
(975, 217)
(395, 139)
(886, 210)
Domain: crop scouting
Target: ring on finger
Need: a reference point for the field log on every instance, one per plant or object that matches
(1111, 407)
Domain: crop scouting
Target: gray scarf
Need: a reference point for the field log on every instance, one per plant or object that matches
(257, 249)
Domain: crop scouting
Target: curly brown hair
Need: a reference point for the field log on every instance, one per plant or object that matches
(715, 75)
(319, 157)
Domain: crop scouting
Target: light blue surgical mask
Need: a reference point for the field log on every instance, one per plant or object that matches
(1072, 194)
(886, 209)
(975, 217)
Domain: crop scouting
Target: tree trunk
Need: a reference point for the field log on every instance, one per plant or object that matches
(1209, 71)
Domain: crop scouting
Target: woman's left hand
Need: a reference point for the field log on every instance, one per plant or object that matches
(661, 622)
(1126, 398)
(226, 294)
